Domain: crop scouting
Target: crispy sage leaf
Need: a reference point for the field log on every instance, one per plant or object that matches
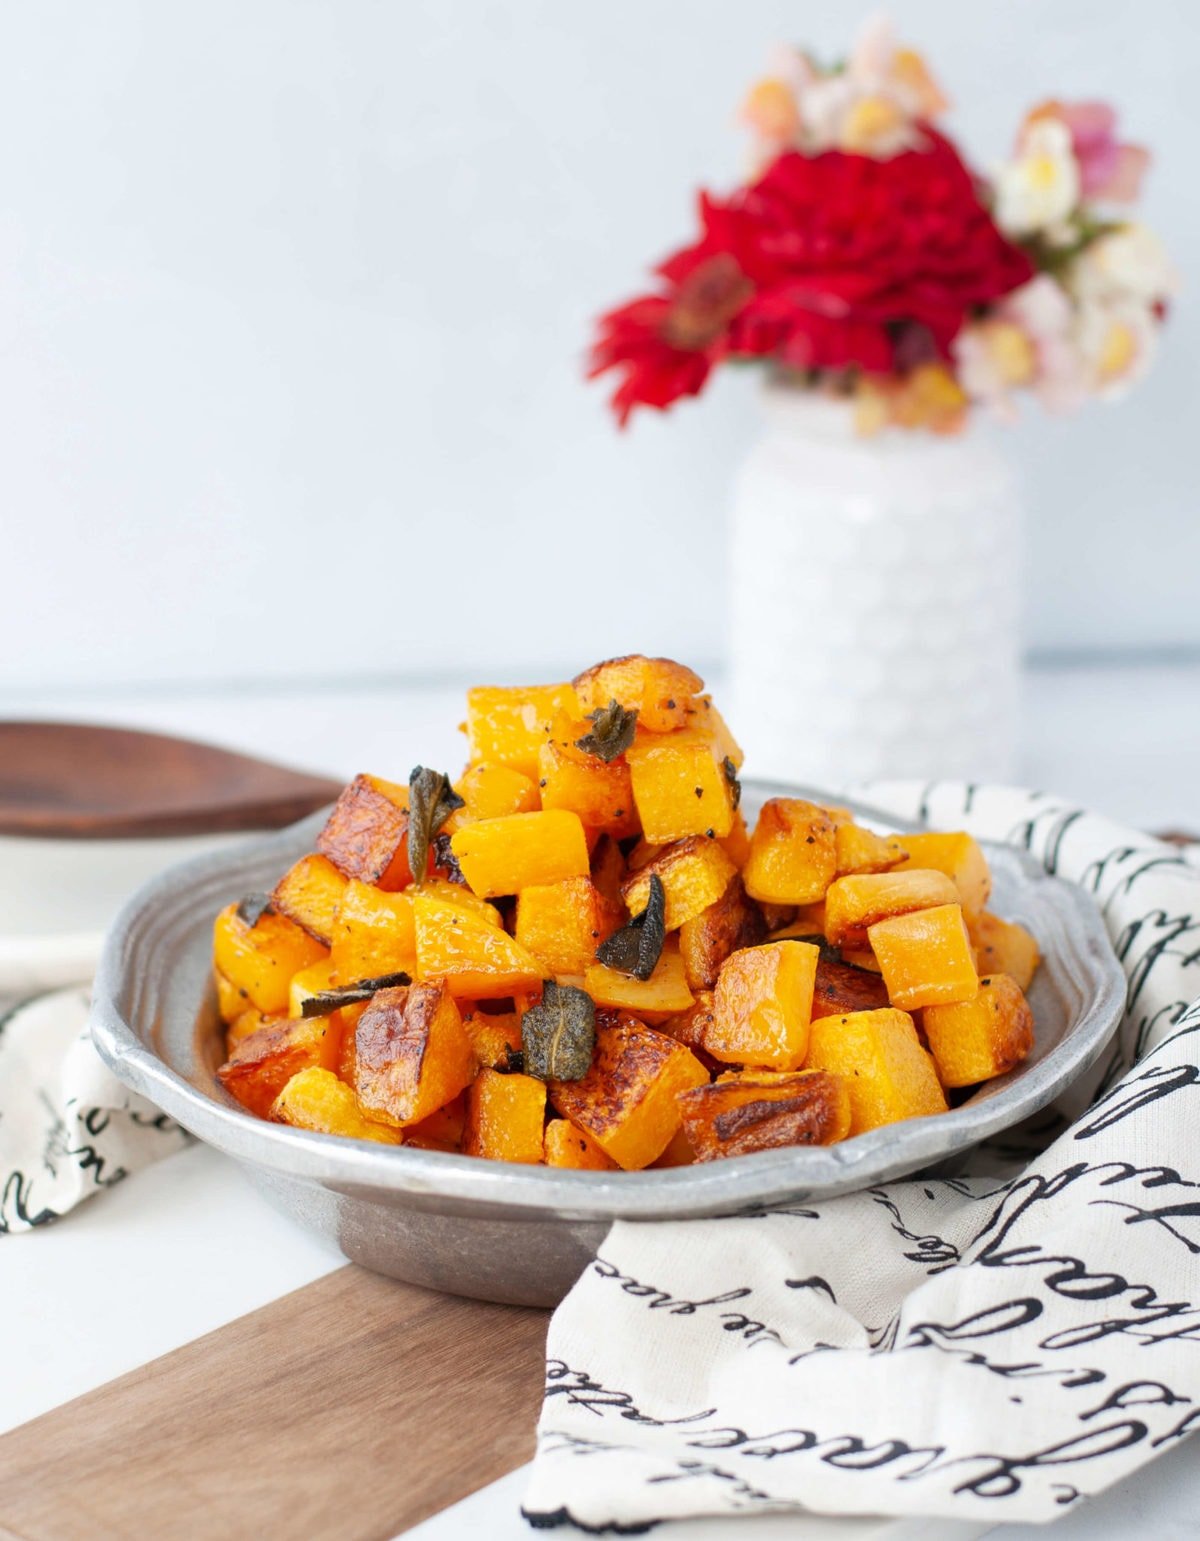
(636, 948)
(253, 907)
(559, 1035)
(325, 1001)
(431, 801)
(731, 776)
(445, 858)
(612, 731)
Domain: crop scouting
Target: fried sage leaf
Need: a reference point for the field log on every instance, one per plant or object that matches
(558, 1036)
(431, 801)
(325, 1001)
(612, 731)
(253, 907)
(636, 948)
(445, 858)
(731, 776)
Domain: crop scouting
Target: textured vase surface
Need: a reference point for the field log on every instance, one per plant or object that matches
(875, 611)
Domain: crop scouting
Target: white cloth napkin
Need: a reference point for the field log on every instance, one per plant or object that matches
(994, 1347)
(68, 1128)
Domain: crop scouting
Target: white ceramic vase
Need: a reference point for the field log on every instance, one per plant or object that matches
(875, 616)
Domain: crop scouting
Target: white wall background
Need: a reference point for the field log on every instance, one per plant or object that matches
(293, 298)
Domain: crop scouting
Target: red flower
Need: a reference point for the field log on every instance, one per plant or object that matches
(835, 262)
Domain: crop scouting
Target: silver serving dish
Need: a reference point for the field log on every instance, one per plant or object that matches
(523, 1234)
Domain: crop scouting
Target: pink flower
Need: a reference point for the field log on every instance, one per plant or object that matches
(1107, 169)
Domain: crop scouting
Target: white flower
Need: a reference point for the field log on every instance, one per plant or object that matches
(1041, 187)
(1116, 344)
(1129, 263)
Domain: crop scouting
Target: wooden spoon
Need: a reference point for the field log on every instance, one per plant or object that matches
(65, 780)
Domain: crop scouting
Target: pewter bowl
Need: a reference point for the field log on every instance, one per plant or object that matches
(521, 1234)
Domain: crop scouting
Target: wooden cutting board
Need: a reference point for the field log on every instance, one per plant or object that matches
(349, 1410)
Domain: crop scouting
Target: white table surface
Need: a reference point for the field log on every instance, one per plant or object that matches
(188, 1245)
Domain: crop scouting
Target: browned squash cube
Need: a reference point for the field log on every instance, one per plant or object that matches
(703, 716)
(854, 904)
(373, 935)
(309, 893)
(739, 1114)
(1004, 947)
(600, 792)
(978, 1039)
(346, 1018)
(659, 690)
(627, 1100)
(862, 850)
(562, 924)
(694, 874)
(566, 1146)
(491, 791)
(706, 940)
(841, 988)
(495, 1037)
(505, 1118)
(887, 1073)
(315, 1099)
(412, 1053)
(250, 1021)
(608, 869)
(503, 856)
(442, 1129)
(679, 1152)
(959, 856)
(366, 836)
(793, 853)
(262, 1064)
(478, 961)
(680, 787)
(260, 960)
(762, 1006)
(926, 957)
(507, 724)
(663, 995)
(306, 984)
(690, 1026)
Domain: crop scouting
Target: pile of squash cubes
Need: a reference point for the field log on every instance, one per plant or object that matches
(599, 964)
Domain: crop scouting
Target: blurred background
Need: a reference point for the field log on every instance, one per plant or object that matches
(295, 298)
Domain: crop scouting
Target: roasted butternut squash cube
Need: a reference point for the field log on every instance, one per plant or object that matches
(600, 792)
(566, 1146)
(308, 982)
(793, 853)
(854, 904)
(608, 869)
(694, 874)
(461, 897)
(562, 924)
(680, 787)
(492, 791)
(232, 1002)
(249, 1021)
(627, 1100)
(759, 1110)
(659, 690)
(1003, 947)
(978, 1039)
(477, 960)
(507, 724)
(702, 715)
(959, 856)
(346, 1020)
(495, 1037)
(862, 850)
(309, 893)
(262, 1064)
(260, 960)
(412, 1053)
(841, 988)
(887, 1073)
(503, 856)
(373, 935)
(442, 1129)
(505, 1118)
(926, 957)
(707, 939)
(689, 1027)
(663, 995)
(736, 843)
(366, 836)
(679, 1152)
(762, 1005)
(315, 1099)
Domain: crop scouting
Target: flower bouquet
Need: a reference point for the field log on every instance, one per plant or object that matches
(865, 258)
